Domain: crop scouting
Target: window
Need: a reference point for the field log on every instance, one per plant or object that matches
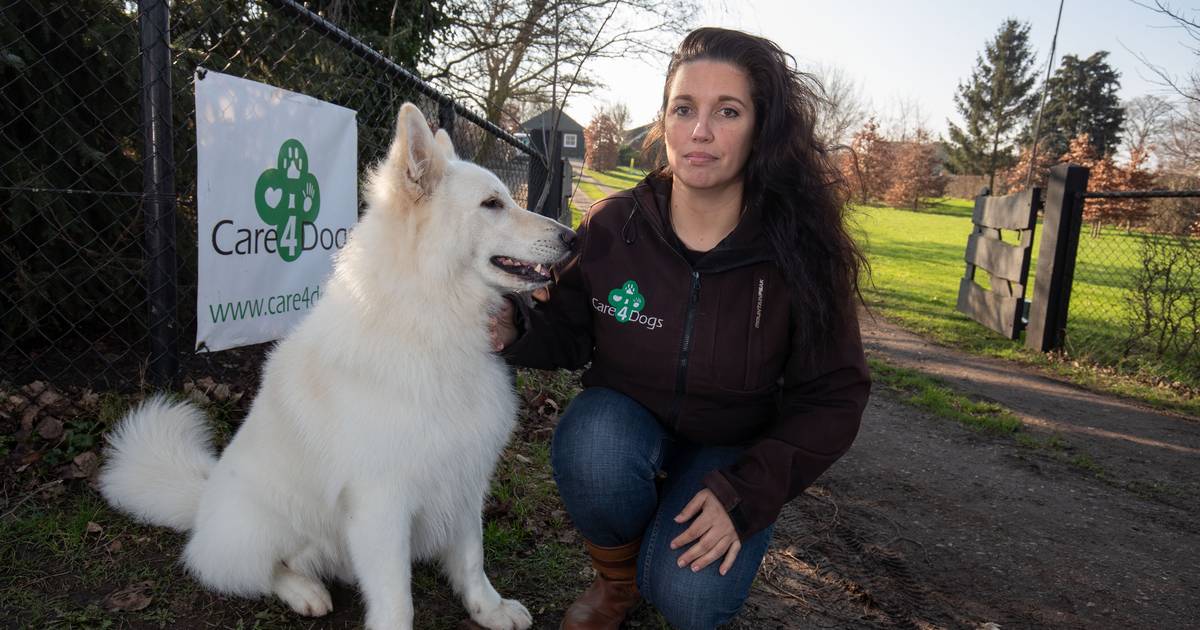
(570, 140)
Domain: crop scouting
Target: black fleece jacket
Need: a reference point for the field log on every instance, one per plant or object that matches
(707, 347)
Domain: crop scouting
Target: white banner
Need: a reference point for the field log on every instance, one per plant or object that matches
(277, 193)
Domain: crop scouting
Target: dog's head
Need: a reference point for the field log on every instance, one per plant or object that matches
(460, 214)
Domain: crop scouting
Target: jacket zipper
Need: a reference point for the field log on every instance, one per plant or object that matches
(689, 321)
(685, 347)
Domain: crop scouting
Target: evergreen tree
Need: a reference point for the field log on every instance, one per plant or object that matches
(994, 103)
(1082, 99)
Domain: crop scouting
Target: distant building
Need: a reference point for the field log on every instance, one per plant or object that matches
(635, 139)
(570, 133)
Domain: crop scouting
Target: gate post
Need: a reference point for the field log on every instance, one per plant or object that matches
(446, 116)
(1061, 220)
(158, 190)
(538, 176)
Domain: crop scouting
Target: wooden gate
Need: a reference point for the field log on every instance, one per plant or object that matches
(1002, 308)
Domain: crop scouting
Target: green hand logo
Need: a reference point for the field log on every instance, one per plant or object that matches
(287, 197)
(626, 300)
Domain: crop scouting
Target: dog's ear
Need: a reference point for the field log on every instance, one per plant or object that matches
(414, 158)
(443, 140)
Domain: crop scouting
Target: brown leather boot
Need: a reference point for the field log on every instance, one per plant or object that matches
(605, 603)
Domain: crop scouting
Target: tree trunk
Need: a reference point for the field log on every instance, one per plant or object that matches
(992, 159)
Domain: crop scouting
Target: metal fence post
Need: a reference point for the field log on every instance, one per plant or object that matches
(1061, 221)
(158, 189)
(537, 180)
(446, 116)
(554, 202)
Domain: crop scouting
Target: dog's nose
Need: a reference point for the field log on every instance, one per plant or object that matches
(568, 239)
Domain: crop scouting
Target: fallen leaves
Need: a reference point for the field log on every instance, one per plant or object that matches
(57, 432)
(50, 428)
(87, 463)
(132, 598)
(205, 390)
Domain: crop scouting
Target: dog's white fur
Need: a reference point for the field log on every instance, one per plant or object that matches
(380, 417)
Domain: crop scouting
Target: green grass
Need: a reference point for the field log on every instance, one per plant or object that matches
(592, 191)
(619, 178)
(941, 400)
(917, 260)
(935, 397)
(576, 214)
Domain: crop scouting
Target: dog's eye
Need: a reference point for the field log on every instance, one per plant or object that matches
(493, 203)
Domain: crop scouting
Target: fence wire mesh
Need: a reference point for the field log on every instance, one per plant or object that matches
(73, 251)
(1135, 295)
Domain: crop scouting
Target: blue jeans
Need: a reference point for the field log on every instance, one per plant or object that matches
(608, 453)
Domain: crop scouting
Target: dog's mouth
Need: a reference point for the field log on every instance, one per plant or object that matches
(533, 272)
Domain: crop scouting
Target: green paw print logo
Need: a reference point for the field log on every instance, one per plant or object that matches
(626, 300)
(287, 197)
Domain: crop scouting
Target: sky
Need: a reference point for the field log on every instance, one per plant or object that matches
(916, 50)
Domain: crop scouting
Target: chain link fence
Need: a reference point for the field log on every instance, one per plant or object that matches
(1135, 295)
(97, 167)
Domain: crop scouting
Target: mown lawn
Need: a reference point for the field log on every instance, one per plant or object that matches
(917, 260)
(593, 192)
(619, 178)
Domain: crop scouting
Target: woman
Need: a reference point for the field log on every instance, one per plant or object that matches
(716, 303)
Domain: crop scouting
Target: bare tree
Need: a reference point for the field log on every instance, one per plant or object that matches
(499, 51)
(842, 110)
(1146, 118)
(905, 120)
(618, 113)
(1179, 144)
(1187, 87)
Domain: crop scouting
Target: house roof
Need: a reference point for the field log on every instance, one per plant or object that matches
(634, 137)
(545, 120)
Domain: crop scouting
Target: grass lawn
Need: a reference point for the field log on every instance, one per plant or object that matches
(576, 214)
(592, 191)
(917, 261)
(619, 178)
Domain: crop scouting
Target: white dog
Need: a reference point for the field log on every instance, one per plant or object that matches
(380, 418)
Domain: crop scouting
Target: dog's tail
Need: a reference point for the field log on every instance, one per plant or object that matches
(157, 461)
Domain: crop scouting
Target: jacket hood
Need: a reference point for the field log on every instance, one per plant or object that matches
(746, 244)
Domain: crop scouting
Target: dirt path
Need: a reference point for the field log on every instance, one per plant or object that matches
(928, 524)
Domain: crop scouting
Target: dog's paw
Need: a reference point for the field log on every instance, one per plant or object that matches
(303, 594)
(509, 614)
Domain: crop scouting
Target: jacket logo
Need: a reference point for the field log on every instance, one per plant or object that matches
(626, 301)
(758, 303)
(625, 304)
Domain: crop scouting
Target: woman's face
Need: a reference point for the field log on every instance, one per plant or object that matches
(709, 121)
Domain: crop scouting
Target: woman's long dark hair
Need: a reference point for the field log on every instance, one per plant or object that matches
(789, 176)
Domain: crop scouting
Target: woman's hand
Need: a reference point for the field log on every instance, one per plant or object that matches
(501, 328)
(712, 530)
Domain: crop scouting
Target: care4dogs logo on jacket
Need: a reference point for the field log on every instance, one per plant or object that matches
(625, 304)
